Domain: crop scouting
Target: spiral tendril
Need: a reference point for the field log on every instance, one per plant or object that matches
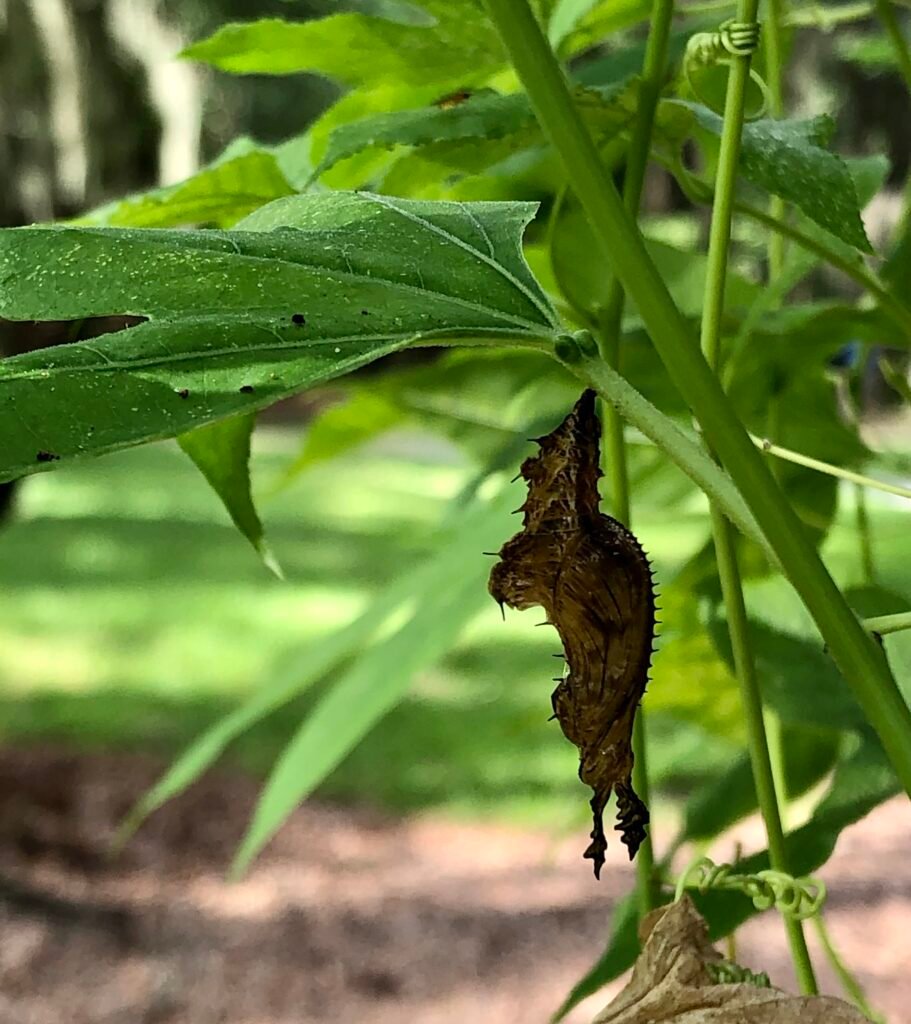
(708, 49)
(733, 39)
(797, 898)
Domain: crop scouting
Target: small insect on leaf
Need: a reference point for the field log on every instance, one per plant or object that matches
(453, 99)
(590, 575)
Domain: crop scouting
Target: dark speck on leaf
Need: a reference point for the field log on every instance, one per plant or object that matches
(246, 389)
(365, 312)
(47, 457)
(184, 392)
(299, 319)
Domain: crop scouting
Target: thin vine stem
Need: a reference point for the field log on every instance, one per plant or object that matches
(852, 987)
(860, 659)
(808, 462)
(774, 727)
(774, 66)
(828, 18)
(885, 624)
(886, 13)
(723, 531)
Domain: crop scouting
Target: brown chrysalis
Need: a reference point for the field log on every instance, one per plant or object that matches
(592, 578)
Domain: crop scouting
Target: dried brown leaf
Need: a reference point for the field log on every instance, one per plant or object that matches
(672, 984)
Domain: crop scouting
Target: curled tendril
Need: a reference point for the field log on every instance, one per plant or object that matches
(709, 49)
(725, 972)
(733, 39)
(797, 898)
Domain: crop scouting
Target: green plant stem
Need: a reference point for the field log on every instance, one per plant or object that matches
(725, 547)
(867, 566)
(886, 13)
(774, 65)
(654, 68)
(584, 316)
(773, 727)
(858, 656)
(885, 624)
(828, 18)
(852, 987)
(826, 467)
(760, 759)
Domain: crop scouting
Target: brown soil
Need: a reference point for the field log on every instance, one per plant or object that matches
(350, 915)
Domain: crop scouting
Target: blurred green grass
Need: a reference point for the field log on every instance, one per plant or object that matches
(132, 615)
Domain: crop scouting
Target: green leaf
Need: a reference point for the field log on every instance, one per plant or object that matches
(809, 755)
(379, 678)
(480, 131)
(341, 428)
(875, 53)
(788, 159)
(484, 115)
(603, 20)
(221, 452)
(221, 194)
(357, 48)
(297, 675)
(299, 157)
(627, 57)
(587, 285)
(798, 678)
(311, 287)
(691, 681)
(390, 10)
(566, 14)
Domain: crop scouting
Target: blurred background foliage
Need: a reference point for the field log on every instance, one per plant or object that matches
(134, 615)
(175, 622)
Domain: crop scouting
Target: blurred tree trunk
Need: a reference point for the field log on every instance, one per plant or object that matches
(83, 116)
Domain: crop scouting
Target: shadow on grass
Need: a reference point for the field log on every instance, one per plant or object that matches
(112, 551)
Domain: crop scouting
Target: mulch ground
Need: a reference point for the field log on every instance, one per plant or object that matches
(349, 915)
